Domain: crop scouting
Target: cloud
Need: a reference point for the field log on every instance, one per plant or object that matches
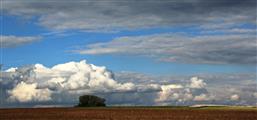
(13, 41)
(168, 92)
(24, 92)
(122, 15)
(195, 90)
(234, 97)
(37, 84)
(255, 95)
(229, 30)
(74, 76)
(170, 47)
(202, 97)
(211, 92)
(223, 38)
(197, 83)
(40, 85)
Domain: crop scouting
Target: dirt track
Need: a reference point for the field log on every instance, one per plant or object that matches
(125, 114)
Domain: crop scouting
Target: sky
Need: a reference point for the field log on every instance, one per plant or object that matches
(147, 52)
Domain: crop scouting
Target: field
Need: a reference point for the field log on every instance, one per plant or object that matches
(130, 113)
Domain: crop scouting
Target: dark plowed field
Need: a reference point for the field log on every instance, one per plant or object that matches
(125, 114)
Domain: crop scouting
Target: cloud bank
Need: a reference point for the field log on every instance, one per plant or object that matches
(40, 85)
(113, 15)
(205, 88)
(171, 47)
(223, 35)
(38, 82)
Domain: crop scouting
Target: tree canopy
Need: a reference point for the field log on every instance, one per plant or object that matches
(91, 101)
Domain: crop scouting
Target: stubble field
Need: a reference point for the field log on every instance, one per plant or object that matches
(127, 114)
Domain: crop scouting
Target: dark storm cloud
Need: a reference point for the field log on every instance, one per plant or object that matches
(214, 49)
(221, 16)
(124, 14)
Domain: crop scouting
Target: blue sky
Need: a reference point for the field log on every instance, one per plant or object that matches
(56, 48)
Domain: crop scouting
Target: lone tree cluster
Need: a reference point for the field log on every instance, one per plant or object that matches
(91, 101)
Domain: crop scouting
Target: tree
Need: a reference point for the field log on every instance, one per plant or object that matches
(91, 101)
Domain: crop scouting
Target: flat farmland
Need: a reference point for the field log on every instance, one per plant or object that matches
(127, 114)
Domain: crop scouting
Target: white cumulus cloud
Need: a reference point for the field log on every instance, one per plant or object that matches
(234, 97)
(169, 92)
(38, 83)
(202, 97)
(195, 90)
(197, 83)
(24, 92)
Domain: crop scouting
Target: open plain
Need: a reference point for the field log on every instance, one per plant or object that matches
(127, 113)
